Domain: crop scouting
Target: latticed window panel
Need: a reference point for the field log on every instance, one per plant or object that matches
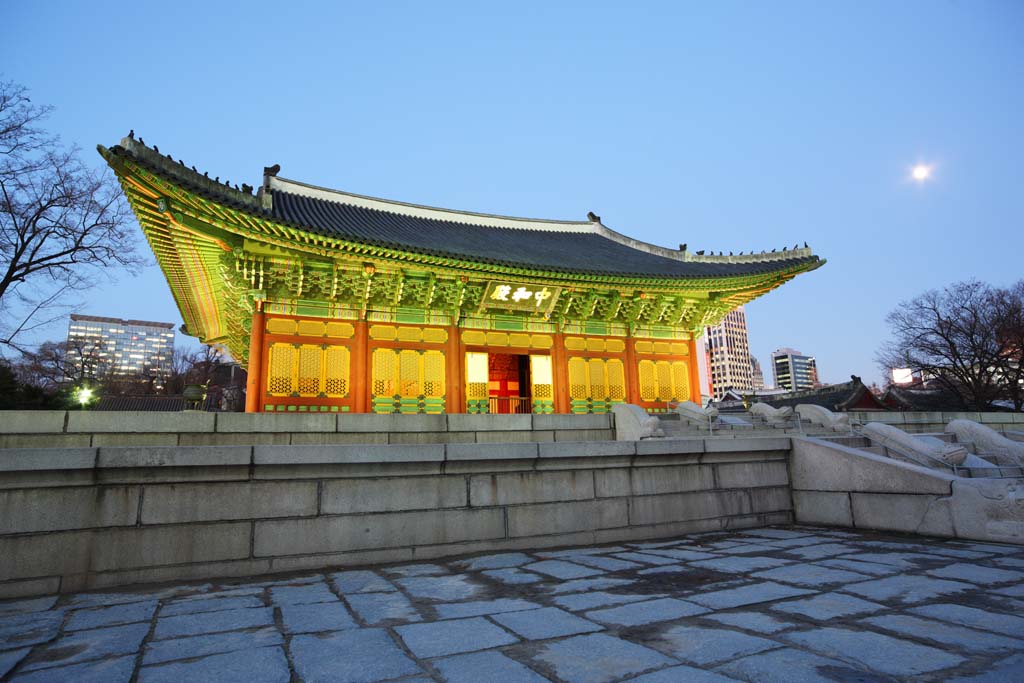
(310, 370)
(616, 380)
(336, 371)
(664, 381)
(595, 383)
(280, 369)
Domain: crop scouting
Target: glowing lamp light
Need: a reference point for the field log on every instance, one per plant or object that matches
(83, 395)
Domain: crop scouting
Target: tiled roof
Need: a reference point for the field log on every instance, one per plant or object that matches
(565, 246)
(566, 249)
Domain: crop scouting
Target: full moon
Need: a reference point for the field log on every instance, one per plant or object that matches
(921, 172)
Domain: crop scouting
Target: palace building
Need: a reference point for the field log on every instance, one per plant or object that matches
(339, 302)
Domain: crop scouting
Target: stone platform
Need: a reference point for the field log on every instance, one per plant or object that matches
(771, 604)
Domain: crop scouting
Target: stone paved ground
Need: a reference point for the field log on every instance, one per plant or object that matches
(779, 604)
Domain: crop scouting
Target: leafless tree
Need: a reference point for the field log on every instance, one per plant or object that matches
(62, 223)
(57, 364)
(951, 335)
(1009, 311)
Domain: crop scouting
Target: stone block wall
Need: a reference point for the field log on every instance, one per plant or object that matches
(78, 429)
(930, 422)
(102, 516)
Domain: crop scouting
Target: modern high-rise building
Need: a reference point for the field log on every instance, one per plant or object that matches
(121, 348)
(729, 355)
(793, 370)
(757, 375)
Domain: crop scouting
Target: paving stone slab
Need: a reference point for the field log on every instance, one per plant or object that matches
(899, 560)
(512, 576)
(599, 658)
(461, 610)
(211, 605)
(820, 552)
(706, 646)
(740, 565)
(751, 621)
(22, 606)
(361, 582)
(578, 602)
(83, 646)
(316, 618)
(876, 651)
(590, 584)
(907, 588)
(302, 595)
(1006, 624)
(789, 665)
(380, 608)
(479, 667)
(868, 568)
(260, 665)
(609, 564)
(828, 606)
(417, 570)
(446, 588)
(798, 542)
(1012, 562)
(29, 629)
(945, 634)
(499, 561)
(365, 655)
(992, 548)
(679, 674)
(957, 552)
(777, 533)
(810, 575)
(765, 591)
(548, 622)
(212, 622)
(976, 574)
(118, 670)
(110, 616)
(561, 569)
(10, 659)
(160, 651)
(1011, 591)
(572, 552)
(1001, 672)
(440, 638)
(749, 549)
(647, 558)
(649, 612)
(681, 554)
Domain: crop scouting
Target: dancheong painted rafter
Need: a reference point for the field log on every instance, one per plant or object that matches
(340, 302)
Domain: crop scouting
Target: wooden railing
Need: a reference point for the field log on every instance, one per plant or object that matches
(517, 405)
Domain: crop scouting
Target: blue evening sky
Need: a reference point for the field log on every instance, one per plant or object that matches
(726, 125)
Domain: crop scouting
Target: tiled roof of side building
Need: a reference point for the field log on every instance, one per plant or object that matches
(564, 246)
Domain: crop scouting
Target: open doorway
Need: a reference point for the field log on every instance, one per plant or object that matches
(508, 383)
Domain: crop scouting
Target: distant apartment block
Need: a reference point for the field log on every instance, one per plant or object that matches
(729, 355)
(756, 374)
(122, 348)
(794, 371)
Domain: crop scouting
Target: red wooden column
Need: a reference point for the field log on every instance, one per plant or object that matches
(360, 368)
(632, 373)
(454, 364)
(695, 388)
(560, 374)
(254, 383)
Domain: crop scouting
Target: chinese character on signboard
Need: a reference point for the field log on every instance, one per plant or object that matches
(520, 297)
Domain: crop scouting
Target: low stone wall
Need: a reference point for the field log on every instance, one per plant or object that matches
(78, 429)
(924, 422)
(88, 517)
(836, 485)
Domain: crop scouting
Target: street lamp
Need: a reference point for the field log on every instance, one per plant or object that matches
(83, 395)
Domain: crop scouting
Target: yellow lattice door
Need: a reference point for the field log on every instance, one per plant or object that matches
(336, 371)
(541, 385)
(664, 381)
(595, 384)
(407, 381)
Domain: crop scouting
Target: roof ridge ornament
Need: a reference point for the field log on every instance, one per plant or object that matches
(755, 256)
